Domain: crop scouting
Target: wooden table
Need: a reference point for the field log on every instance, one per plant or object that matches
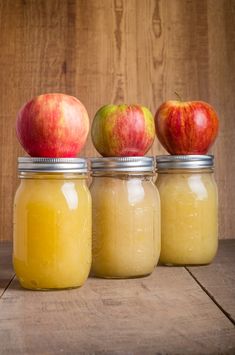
(176, 310)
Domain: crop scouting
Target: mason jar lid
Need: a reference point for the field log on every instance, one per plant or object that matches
(123, 164)
(52, 165)
(184, 162)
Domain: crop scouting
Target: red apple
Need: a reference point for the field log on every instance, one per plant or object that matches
(186, 127)
(52, 125)
(123, 130)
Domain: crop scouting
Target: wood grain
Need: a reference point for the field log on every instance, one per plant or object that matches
(222, 90)
(166, 313)
(218, 279)
(6, 270)
(171, 312)
(105, 51)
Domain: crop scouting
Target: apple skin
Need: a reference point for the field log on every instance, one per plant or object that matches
(186, 127)
(52, 125)
(123, 130)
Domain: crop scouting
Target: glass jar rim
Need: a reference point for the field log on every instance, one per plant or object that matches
(134, 164)
(164, 162)
(52, 165)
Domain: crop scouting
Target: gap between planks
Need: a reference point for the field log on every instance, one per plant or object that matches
(210, 296)
(7, 286)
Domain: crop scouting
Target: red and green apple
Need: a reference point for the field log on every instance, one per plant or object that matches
(123, 130)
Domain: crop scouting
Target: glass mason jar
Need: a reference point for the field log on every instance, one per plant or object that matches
(189, 209)
(125, 217)
(52, 223)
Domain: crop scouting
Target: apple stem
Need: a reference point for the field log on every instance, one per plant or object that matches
(178, 96)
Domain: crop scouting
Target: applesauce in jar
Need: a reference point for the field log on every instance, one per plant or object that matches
(52, 223)
(189, 209)
(125, 217)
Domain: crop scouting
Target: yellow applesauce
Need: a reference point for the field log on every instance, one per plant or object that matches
(189, 209)
(125, 217)
(52, 223)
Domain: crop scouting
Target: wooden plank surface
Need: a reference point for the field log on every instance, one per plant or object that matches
(115, 51)
(218, 279)
(6, 271)
(165, 313)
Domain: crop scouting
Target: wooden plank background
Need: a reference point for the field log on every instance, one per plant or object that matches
(115, 51)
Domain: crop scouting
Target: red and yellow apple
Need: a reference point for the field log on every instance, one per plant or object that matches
(52, 125)
(123, 130)
(186, 127)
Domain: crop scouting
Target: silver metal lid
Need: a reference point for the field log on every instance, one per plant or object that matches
(52, 165)
(184, 162)
(123, 164)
